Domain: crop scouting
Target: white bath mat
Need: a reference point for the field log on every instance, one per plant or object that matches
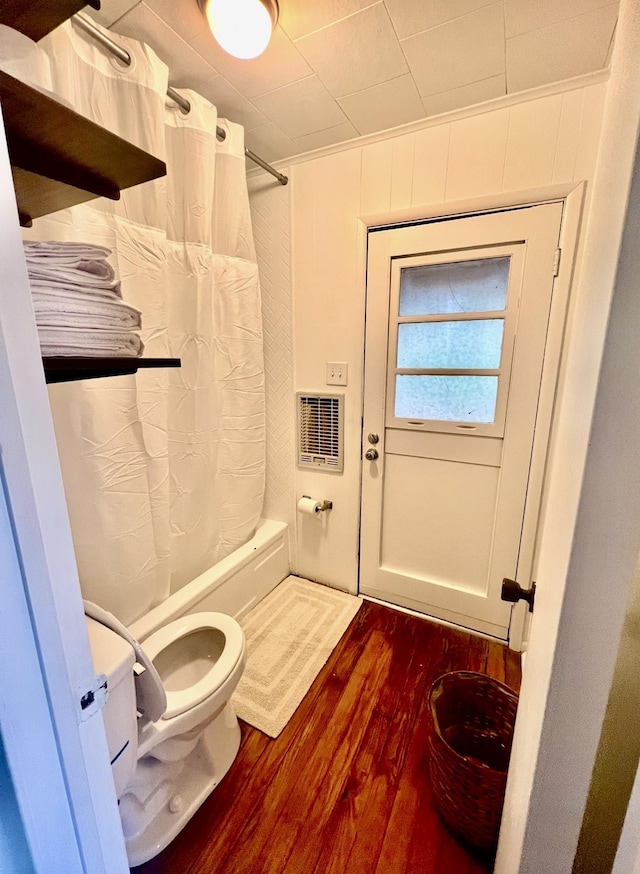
(290, 635)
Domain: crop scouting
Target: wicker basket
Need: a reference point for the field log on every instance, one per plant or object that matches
(470, 744)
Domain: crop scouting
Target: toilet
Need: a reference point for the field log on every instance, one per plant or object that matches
(171, 730)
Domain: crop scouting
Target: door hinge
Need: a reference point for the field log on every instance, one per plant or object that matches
(94, 698)
(556, 262)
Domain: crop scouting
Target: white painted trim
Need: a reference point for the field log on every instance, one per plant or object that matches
(504, 102)
(434, 619)
(28, 733)
(553, 360)
(42, 534)
(468, 206)
(589, 532)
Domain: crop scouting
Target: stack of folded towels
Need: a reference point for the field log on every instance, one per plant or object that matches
(78, 303)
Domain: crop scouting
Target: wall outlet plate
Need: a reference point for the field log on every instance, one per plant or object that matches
(337, 373)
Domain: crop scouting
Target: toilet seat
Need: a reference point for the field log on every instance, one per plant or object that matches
(178, 701)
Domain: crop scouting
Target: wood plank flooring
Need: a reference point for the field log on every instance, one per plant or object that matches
(345, 788)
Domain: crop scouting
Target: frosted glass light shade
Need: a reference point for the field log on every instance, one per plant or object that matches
(242, 27)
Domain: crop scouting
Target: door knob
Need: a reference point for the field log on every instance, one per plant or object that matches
(371, 454)
(373, 438)
(512, 591)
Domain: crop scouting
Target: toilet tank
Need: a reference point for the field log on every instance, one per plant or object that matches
(114, 657)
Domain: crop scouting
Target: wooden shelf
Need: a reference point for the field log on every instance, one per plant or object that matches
(37, 18)
(61, 158)
(68, 369)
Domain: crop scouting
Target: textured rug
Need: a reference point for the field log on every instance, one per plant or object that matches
(290, 635)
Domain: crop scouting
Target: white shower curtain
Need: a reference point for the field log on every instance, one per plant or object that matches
(163, 471)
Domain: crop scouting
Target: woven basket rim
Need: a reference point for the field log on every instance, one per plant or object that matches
(436, 726)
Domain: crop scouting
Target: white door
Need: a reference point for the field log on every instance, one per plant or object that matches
(457, 320)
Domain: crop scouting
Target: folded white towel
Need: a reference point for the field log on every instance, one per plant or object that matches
(80, 290)
(89, 343)
(61, 251)
(93, 271)
(89, 313)
(90, 278)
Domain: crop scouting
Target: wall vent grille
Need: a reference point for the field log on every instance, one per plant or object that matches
(320, 431)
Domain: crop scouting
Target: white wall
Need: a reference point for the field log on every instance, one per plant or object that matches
(505, 146)
(589, 538)
(271, 218)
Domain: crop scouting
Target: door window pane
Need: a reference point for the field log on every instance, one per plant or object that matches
(465, 344)
(459, 287)
(447, 398)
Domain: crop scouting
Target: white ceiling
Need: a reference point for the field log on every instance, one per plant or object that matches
(336, 69)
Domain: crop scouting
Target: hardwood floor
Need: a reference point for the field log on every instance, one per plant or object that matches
(345, 787)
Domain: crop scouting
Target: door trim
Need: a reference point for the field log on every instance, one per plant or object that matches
(79, 826)
(573, 196)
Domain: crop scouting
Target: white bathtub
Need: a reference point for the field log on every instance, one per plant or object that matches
(232, 586)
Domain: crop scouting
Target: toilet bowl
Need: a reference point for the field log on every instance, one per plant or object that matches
(187, 734)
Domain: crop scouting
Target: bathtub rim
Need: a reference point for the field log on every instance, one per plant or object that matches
(268, 533)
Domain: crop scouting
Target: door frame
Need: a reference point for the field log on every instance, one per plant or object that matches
(67, 802)
(572, 195)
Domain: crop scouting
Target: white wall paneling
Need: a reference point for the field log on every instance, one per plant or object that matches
(271, 216)
(401, 178)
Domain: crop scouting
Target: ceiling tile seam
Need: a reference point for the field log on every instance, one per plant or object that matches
(296, 140)
(288, 85)
(331, 23)
(504, 43)
(603, 5)
(406, 60)
(264, 120)
(262, 93)
(291, 82)
(393, 26)
(377, 85)
(607, 60)
(466, 85)
(444, 24)
(124, 14)
(613, 30)
(564, 21)
(345, 118)
(263, 123)
(506, 65)
(449, 20)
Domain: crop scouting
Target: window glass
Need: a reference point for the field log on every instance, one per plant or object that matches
(448, 398)
(465, 344)
(459, 287)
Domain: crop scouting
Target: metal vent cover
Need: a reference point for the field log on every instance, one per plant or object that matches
(320, 431)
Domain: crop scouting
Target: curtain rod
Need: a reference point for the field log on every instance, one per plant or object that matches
(123, 55)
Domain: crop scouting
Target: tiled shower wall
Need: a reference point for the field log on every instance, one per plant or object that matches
(271, 215)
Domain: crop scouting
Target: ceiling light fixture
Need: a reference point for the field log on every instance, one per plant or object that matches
(242, 27)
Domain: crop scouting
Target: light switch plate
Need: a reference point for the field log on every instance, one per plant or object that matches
(337, 372)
